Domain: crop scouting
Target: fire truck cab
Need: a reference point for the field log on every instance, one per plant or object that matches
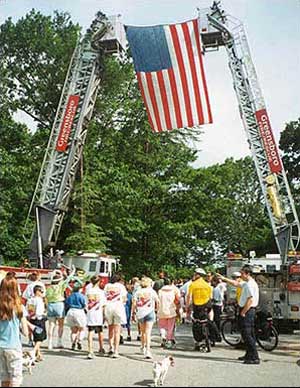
(93, 263)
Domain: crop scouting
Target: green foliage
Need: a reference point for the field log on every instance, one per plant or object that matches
(138, 198)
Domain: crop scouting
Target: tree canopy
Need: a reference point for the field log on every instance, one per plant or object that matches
(139, 197)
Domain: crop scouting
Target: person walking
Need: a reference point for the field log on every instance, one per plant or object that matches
(199, 296)
(76, 317)
(55, 297)
(169, 297)
(247, 304)
(37, 317)
(145, 302)
(95, 314)
(116, 296)
(11, 318)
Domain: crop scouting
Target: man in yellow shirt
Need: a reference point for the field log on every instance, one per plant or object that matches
(200, 295)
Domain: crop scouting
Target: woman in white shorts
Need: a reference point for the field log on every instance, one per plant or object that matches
(76, 316)
(115, 314)
(11, 316)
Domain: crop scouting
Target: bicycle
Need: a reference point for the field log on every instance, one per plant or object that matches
(265, 333)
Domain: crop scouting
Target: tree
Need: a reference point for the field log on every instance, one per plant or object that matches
(235, 216)
(290, 145)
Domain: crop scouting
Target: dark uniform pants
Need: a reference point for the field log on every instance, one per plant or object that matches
(248, 334)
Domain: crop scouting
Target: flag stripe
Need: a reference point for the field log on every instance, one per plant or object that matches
(162, 89)
(180, 62)
(146, 100)
(170, 99)
(175, 82)
(175, 98)
(159, 100)
(153, 100)
(195, 22)
(187, 38)
(188, 72)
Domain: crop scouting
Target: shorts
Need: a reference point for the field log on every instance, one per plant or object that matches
(147, 318)
(11, 366)
(76, 318)
(39, 333)
(97, 329)
(115, 315)
(56, 310)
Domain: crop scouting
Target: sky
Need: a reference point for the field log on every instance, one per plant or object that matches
(273, 30)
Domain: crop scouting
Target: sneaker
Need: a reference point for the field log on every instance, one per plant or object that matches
(115, 355)
(168, 345)
(242, 358)
(138, 338)
(110, 352)
(73, 346)
(148, 355)
(90, 356)
(128, 338)
(102, 352)
(143, 350)
(252, 362)
(163, 343)
(79, 346)
(121, 340)
(197, 347)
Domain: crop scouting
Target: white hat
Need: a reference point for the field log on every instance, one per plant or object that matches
(200, 271)
(236, 274)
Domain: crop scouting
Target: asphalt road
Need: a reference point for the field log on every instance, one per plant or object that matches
(65, 368)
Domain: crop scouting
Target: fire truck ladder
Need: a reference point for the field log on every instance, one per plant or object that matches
(65, 146)
(273, 181)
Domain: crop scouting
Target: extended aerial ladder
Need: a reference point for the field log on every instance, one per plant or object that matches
(65, 146)
(218, 29)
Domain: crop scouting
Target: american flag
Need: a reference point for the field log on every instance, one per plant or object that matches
(170, 72)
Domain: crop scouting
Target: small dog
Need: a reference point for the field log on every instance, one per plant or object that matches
(29, 360)
(160, 370)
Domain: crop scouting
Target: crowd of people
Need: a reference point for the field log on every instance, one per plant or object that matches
(90, 306)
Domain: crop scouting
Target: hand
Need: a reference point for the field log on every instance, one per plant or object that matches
(242, 314)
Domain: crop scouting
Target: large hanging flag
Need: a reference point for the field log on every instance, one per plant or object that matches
(170, 72)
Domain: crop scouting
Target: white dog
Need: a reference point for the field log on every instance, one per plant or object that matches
(160, 370)
(28, 360)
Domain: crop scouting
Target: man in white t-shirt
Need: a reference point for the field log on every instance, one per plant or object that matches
(115, 314)
(247, 303)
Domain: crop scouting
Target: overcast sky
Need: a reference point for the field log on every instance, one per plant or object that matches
(273, 28)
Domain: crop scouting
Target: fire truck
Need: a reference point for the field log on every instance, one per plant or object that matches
(279, 286)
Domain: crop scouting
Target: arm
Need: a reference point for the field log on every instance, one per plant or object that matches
(234, 283)
(133, 309)
(247, 306)
(24, 326)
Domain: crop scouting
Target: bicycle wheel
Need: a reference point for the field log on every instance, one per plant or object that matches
(230, 332)
(267, 338)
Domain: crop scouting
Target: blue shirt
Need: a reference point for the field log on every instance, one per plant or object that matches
(76, 301)
(10, 334)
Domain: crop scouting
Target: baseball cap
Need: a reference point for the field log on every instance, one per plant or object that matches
(200, 271)
(236, 274)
